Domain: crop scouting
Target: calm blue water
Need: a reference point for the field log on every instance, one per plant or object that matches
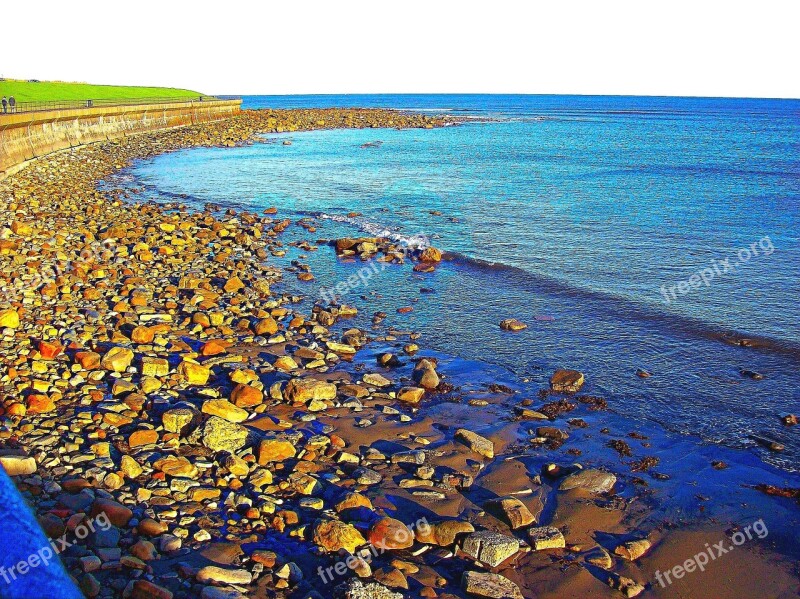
(586, 210)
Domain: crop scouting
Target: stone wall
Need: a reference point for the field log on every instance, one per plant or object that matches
(25, 136)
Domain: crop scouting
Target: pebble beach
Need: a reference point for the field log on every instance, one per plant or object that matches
(244, 440)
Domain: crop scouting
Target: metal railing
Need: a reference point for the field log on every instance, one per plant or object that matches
(89, 103)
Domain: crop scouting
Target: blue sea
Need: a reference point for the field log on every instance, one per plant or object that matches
(657, 234)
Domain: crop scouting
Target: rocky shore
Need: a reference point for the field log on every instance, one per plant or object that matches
(241, 440)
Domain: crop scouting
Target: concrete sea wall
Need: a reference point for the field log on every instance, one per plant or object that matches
(26, 136)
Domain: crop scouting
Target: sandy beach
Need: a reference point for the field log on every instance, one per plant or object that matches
(241, 440)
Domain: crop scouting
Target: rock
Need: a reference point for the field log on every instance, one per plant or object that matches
(151, 528)
(169, 543)
(512, 324)
(177, 466)
(546, 537)
(476, 443)
(431, 254)
(18, 465)
(245, 396)
(215, 574)
(88, 360)
(142, 437)
(367, 476)
(130, 467)
(304, 484)
(411, 394)
(304, 390)
(443, 533)
(118, 514)
(391, 577)
(144, 550)
(154, 367)
(333, 535)
(89, 585)
(144, 589)
(512, 510)
(142, 334)
(756, 376)
(38, 403)
(598, 556)
(219, 434)
(214, 347)
(486, 584)
(49, 350)
(275, 450)
(177, 420)
(117, 359)
(376, 380)
(489, 547)
(594, 481)
(224, 409)
(626, 586)
(389, 533)
(9, 319)
(353, 500)
(233, 285)
(355, 589)
(426, 376)
(266, 326)
(194, 373)
(632, 550)
(566, 381)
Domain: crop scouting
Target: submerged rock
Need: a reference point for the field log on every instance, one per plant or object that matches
(569, 381)
(594, 481)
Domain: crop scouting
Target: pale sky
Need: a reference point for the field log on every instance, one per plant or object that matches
(351, 46)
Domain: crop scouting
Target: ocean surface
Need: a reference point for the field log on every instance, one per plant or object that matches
(628, 233)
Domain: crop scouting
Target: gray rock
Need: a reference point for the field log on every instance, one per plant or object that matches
(594, 481)
(220, 435)
(489, 547)
(546, 537)
(366, 476)
(355, 589)
(485, 584)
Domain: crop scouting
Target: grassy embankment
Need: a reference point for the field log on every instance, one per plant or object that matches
(50, 91)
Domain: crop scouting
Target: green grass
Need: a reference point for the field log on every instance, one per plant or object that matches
(48, 91)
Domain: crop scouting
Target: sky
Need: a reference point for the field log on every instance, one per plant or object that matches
(698, 48)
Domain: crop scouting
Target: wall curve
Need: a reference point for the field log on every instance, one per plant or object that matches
(27, 136)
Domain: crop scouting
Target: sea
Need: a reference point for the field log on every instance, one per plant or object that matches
(652, 243)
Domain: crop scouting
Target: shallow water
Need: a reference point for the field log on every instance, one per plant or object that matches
(576, 210)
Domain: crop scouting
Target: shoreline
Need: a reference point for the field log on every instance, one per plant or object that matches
(174, 286)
